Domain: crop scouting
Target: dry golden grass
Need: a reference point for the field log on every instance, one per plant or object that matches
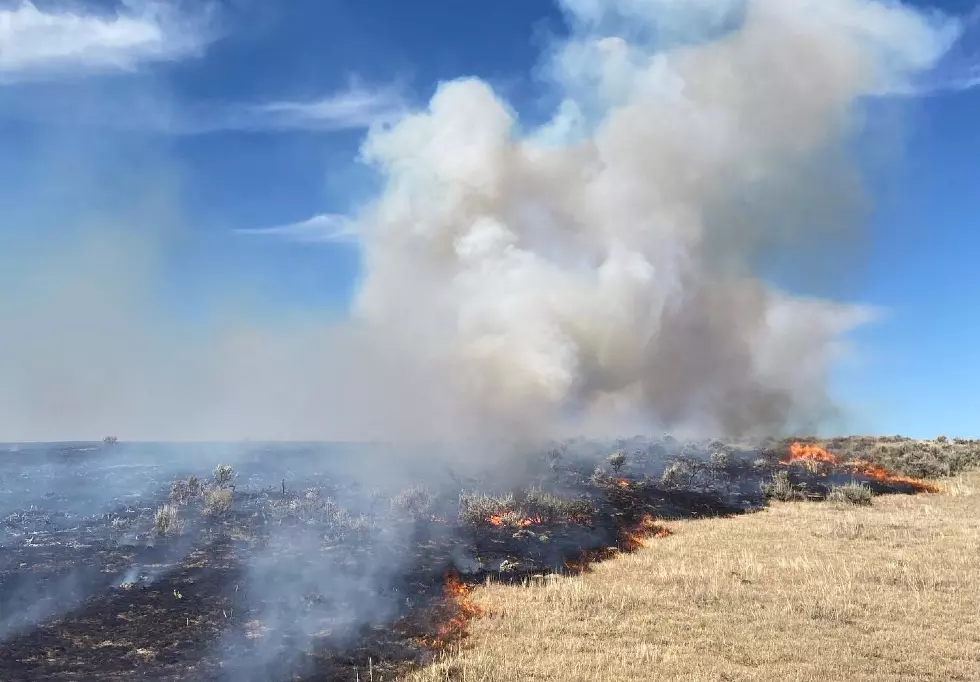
(796, 592)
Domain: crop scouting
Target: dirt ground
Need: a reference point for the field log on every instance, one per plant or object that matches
(800, 591)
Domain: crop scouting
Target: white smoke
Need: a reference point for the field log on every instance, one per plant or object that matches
(598, 273)
(602, 266)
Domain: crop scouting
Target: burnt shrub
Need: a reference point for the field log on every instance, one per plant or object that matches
(617, 460)
(183, 491)
(223, 477)
(167, 521)
(217, 502)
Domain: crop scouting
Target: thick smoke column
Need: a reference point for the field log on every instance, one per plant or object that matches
(602, 273)
(602, 268)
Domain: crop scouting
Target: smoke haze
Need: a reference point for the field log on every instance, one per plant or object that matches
(601, 273)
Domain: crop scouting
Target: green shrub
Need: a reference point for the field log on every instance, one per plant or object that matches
(782, 488)
(851, 493)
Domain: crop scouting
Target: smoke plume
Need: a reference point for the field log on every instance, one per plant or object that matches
(605, 270)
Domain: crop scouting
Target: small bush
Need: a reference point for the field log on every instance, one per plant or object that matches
(851, 493)
(782, 488)
(417, 502)
(183, 491)
(167, 521)
(551, 509)
(617, 460)
(217, 502)
(677, 474)
(721, 459)
(223, 476)
(477, 508)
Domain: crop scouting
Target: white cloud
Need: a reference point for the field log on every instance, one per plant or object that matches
(37, 43)
(354, 107)
(323, 228)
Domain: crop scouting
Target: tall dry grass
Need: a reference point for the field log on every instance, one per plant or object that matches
(796, 592)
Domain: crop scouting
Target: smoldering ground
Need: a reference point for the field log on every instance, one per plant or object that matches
(324, 574)
(602, 273)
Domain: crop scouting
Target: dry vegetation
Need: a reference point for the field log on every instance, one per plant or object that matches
(918, 458)
(843, 590)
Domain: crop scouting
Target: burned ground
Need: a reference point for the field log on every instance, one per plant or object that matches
(287, 570)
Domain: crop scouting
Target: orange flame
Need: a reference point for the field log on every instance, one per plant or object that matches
(630, 539)
(877, 473)
(635, 537)
(812, 456)
(801, 452)
(623, 483)
(512, 519)
(455, 611)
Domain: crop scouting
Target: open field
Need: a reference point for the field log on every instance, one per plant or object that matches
(795, 592)
(318, 562)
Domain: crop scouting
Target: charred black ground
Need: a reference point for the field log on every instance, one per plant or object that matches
(282, 569)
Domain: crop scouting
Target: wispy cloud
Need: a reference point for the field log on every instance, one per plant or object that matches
(356, 106)
(957, 71)
(40, 43)
(323, 228)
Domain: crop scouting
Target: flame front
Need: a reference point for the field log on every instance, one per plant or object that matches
(877, 473)
(814, 458)
(453, 614)
(631, 539)
(512, 519)
(808, 453)
(635, 537)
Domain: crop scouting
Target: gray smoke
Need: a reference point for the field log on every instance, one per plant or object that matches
(599, 273)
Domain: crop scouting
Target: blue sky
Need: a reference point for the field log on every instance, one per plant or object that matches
(247, 115)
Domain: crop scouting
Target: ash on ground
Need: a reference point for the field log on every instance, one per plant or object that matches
(288, 566)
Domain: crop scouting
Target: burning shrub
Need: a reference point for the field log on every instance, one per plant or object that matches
(416, 502)
(906, 457)
(476, 508)
(167, 521)
(217, 502)
(617, 460)
(223, 476)
(851, 493)
(782, 488)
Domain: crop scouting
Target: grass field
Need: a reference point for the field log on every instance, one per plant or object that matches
(800, 591)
